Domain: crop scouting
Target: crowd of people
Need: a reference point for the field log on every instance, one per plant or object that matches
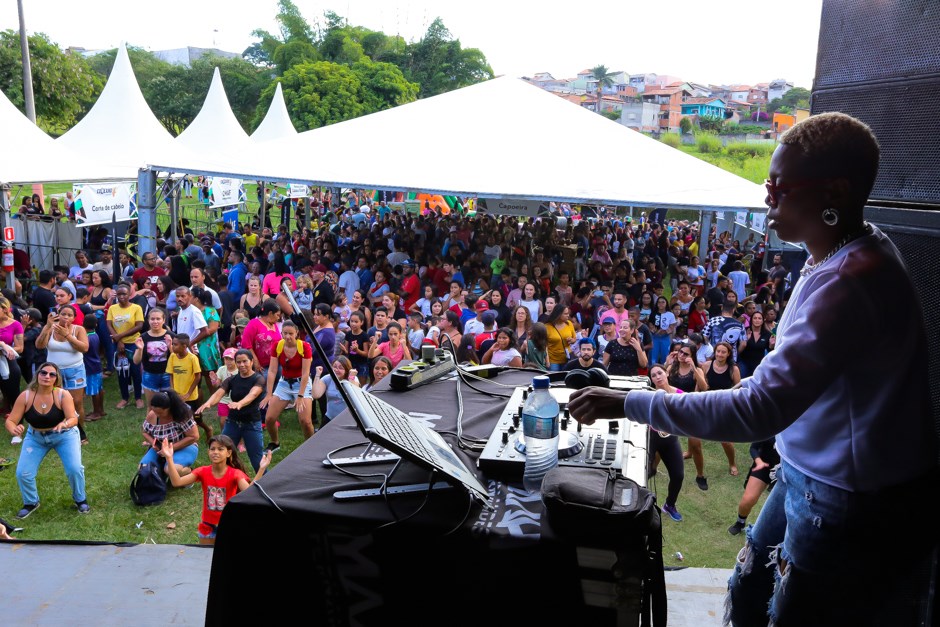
(202, 322)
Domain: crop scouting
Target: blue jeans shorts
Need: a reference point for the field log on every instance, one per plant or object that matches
(288, 391)
(74, 378)
(155, 382)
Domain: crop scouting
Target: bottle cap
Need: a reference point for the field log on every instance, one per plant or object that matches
(540, 383)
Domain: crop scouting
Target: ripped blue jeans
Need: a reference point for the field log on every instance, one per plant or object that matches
(819, 555)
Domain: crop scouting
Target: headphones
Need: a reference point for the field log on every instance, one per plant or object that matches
(578, 379)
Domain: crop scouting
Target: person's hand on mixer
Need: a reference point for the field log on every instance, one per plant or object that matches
(596, 403)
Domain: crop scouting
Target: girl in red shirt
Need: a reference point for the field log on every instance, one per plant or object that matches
(222, 480)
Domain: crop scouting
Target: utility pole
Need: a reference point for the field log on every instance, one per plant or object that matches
(27, 70)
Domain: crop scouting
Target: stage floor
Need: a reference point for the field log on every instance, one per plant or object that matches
(167, 584)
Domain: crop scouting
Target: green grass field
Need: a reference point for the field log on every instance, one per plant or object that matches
(114, 450)
(110, 459)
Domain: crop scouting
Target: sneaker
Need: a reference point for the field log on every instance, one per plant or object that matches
(10, 528)
(672, 512)
(83, 507)
(27, 510)
(736, 528)
(16, 440)
(702, 483)
(272, 447)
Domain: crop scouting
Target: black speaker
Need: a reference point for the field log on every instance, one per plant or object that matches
(917, 236)
(880, 62)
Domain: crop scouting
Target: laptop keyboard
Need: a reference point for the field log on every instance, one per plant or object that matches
(399, 428)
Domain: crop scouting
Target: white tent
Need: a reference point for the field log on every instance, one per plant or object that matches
(503, 138)
(122, 131)
(276, 123)
(31, 156)
(215, 129)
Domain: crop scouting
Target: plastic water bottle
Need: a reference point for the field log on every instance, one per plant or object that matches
(540, 428)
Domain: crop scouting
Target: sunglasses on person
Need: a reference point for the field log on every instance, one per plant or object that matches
(47, 373)
(686, 353)
(774, 190)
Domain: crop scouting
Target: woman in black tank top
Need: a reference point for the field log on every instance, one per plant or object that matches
(722, 373)
(684, 374)
(49, 412)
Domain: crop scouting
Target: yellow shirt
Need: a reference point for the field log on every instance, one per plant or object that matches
(693, 249)
(558, 342)
(123, 318)
(183, 373)
(250, 242)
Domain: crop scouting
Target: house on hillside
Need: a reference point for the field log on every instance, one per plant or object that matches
(739, 92)
(186, 56)
(704, 107)
(669, 100)
(783, 121)
(777, 88)
(640, 116)
(547, 82)
(757, 95)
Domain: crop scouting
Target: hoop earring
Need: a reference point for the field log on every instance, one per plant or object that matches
(830, 216)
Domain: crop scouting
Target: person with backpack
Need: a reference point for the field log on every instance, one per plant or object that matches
(295, 358)
(170, 420)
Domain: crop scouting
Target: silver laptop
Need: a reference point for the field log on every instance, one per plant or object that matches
(393, 429)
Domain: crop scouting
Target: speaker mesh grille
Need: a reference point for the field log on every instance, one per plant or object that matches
(919, 252)
(871, 41)
(904, 118)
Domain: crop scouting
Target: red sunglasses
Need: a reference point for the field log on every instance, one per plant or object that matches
(774, 190)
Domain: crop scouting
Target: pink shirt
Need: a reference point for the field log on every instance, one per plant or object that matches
(8, 332)
(258, 338)
(272, 283)
(395, 357)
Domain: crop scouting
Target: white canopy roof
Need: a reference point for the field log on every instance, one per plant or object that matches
(122, 130)
(31, 156)
(215, 129)
(276, 123)
(504, 138)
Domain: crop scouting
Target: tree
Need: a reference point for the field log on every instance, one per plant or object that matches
(611, 115)
(604, 78)
(64, 84)
(294, 30)
(439, 64)
(796, 98)
(710, 122)
(176, 93)
(320, 93)
(685, 125)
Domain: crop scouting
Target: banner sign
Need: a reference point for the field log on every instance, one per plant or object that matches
(298, 190)
(506, 207)
(231, 216)
(97, 203)
(225, 191)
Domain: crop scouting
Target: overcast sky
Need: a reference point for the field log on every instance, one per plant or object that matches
(721, 44)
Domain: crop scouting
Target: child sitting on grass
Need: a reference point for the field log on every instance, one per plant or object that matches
(222, 480)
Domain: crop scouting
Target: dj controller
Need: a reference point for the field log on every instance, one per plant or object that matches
(619, 444)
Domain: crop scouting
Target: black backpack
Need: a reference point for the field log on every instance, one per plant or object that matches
(148, 487)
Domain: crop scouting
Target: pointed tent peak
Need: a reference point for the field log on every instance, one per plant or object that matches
(215, 125)
(121, 119)
(276, 123)
(217, 96)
